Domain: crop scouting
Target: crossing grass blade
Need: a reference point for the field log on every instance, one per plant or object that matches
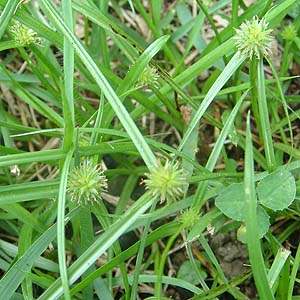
(104, 85)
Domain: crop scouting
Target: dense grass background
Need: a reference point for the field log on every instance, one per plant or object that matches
(122, 84)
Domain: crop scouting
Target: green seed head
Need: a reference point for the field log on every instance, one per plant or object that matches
(148, 77)
(166, 181)
(289, 32)
(253, 39)
(23, 35)
(86, 183)
(189, 218)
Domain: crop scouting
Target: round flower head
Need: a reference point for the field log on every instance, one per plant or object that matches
(289, 32)
(148, 77)
(23, 35)
(189, 218)
(166, 181)
(253, 38)
(86, 183)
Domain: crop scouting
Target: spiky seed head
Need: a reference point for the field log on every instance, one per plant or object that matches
(23, 35)
(166, 181)
(253, 39)
(289, 32)
(148, 77)
(189, 218)
(86, 183)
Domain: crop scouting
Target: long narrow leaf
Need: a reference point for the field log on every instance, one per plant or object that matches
(13, 278)
(254, 247)
(7, 14)
(27, 191)
(104, 85)
(99, 247)
(232, 66)
(224, 133)
(61, 223)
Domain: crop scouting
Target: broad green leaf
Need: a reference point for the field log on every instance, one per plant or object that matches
(277, 191)
(263, 226)
(231, 201)
(263, 221)
(187, 273)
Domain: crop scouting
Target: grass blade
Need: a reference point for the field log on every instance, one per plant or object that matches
(253, 243)
(61, 224)
(99, 246)
(264, 117)
(15, 275)
(234, 63)
(104, 85)
(7, 14)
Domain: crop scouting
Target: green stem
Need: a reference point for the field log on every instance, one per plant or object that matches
(141, 255)
(264, 117)
(61, 225)
(254, 97)
(253, 242)
(68, 97)
(294, 274)
(158, 285)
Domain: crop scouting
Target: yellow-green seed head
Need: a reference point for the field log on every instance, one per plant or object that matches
(23, 35)
(189, 218)
(86, 183)
(253, 39)
(289, 32)
(166, 181)
(148, 77)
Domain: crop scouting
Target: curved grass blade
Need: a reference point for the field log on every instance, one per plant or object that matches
(99, 246)
(264, 117)
(61, 224)
(213, 158)
(7, 14)
(104, 85)
(15, 275)
(232, 66)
